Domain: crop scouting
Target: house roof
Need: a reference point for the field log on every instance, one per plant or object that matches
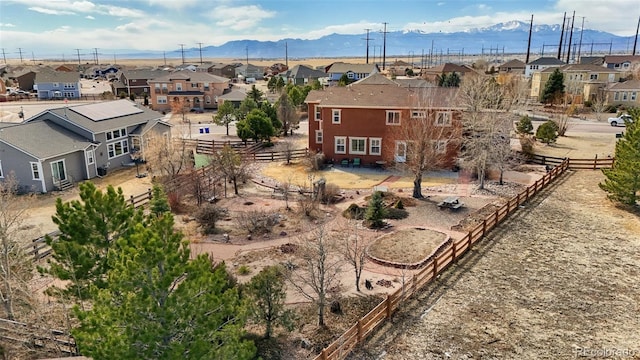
(514, 64)
(627, 85)
(144, 74)
(304, 72)
(387, 96)
(581, 68)
(341, 68)
(143, 128)
(191, 76)
(220, 66)
(596, 60)
(547, 61)
(43, 139)
(414, 83)
(446, 68)
(233, 95)
(376, 79)
(105, 116)
(48, 76)
(619, 59)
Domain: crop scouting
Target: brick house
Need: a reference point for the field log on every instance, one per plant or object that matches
(136, 81)
(365, 119)
(197, 89)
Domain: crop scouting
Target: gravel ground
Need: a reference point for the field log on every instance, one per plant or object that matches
(558, 280)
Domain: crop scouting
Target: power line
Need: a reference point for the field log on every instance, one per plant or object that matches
(367, 39)
(200, 47)
(20, 52)
(78, 52)
(384, 45)
(4, 56)
(182, 52)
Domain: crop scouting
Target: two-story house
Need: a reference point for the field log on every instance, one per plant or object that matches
(247, 71)
(57, 84)
(433, 74)
(581, 81)
(621, 62)
(302, 75)
(541, 64)
(624, 93)
(61, 146)
(354, 72)
(364, 120)
(196, 89)
(224, 70)
(136, 81)
(514, 66)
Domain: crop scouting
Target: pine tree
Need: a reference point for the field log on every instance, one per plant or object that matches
(623, 179)
(375, 211)
(226, 114)
(524, 126)
(554, 88)
(267, 295)
(159, 204)
(547, 132)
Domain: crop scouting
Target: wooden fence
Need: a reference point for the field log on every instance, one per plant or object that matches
(210, 146)
(39, 248)
(574, 164)
(53, 341)
(278, 155)
(358, 332)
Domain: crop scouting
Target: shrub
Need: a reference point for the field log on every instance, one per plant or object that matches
(399, 205)
(375, 211)
(588, 103)
(331, 192)
(244, 270)
(547, 132)
(526, 143)
(524, 126)
(354, 212)
(396, 214)
(257, 221)
(208, 215)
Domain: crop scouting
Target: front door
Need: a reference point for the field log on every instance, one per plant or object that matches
(401, 151)
(58, 171)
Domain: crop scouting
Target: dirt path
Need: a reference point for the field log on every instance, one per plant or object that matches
(558, 280)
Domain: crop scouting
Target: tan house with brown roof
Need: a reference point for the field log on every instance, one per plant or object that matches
(194, 89)
(626, 93)
(434, 73)
(581, 81)
(621, 62)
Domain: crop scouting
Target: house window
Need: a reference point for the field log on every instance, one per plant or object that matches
(164, 87)
(318, 136)
(615, 66)
(443, 119)
(350, 75)
(418, 114)
(116, 134)
(162, 99)
(118, 148)
(317, 113)
(178, 87)
(35, 171)
(593, 77)
(440, 146)
(626, 65)
(393, 117)
(401, 151)
(375, 146)
(634, 96)
(194, 85)
(55, 85)
(358, 145)
(624, 96)
(335, 118)
(206, 86)
(340, 144)
(90, 157)
(616, 96)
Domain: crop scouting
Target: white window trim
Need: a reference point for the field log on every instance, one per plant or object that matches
(113, 144)
(441, 146)
(333, 116)
(356, 152)
(371, 152)
(318, 114)
(319, 136)
(91, 157)
(388, 112)
(33, 171)
(1, 171)
(398, 158)
(335, 144)
(418, 114)
(446, 113)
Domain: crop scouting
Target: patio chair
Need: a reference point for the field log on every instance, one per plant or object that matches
(344, 163)
(356, 162)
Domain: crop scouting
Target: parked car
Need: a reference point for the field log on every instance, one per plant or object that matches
(614, 121)
(197, 110)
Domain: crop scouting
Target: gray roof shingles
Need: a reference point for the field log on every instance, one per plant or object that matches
(43, 139)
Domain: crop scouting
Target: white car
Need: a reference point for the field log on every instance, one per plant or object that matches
(615, 121)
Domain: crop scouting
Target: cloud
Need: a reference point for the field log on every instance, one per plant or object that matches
(354, 28)
(483, 7)
(89, 17)
(240, 17)
(441, 3)
(51, 11)
(175, 5)
(7, 25)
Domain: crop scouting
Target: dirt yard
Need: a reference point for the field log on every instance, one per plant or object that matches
(558, 280)
(393, 247)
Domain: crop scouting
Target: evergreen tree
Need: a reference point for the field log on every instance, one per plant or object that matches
(89, 229)
(226, 114)
(157, 304)
(267, 294)
(255, 94)
(315, 85)
(272, 113)
(280, 84)
(271, 85)
(524, 126)
(375, 212)
(547, 132)
(554, 88)
(245, 108)
(256, 126)
(622, 181)
(159, 204)
(296, 96)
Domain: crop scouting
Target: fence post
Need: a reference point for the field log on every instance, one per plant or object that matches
(435, 267)
(484, 227)
(388, 305)
(595, 162)
(132, 201)
(454, 257)
(359, 330)
(149, 194)
(323, 354)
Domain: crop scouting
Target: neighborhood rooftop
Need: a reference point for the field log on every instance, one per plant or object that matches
(59, 141)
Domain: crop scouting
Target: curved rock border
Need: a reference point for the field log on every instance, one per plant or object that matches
(411, 266)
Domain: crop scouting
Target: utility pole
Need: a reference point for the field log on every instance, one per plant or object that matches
(200, 47)
(529, 42)
(78, 52)
(246, 49)
(96, 55)
(580, 44)
(33, 58)
(634, 41)
(4, 56)
(573, 18)
(182, 52)
(367, 39)
(286, 54)
(164, 56)
(384, 46)
(561, 35)
(20, 52)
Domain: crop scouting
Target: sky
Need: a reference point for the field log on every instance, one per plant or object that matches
(55, 28)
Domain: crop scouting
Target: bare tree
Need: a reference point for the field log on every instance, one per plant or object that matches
(287, 113)
(318, 271)
(167, 156)
(287, 147)
(355, 250)
(231, 164)
(180, 107)
(16, 268)
(599, 104)
(431, 135)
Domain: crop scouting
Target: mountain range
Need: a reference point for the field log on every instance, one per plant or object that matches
(508, 38)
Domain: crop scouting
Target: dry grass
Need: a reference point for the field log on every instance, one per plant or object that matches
(580, 146)
(298, 175)
(406, 246)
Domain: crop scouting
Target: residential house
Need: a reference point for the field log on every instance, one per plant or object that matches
(354, 72)
(512, 66)
(136, 81)
(57, 85)
(302, 75)
(247, 71)
(399, 68)
(593, 60)
(23, 78)
(433, 74)
(582, 82)
(194, 89)
(190, 67)
(234, 96)
(60, 146)
(621, 62)
(224, 70)
(364, 120)
(204, 66)
(541, 64)
(276, 69)
(624, 93)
